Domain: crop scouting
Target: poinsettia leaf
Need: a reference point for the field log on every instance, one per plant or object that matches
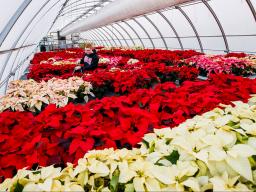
(18, 187)
(114, 183)
(146, 143)
(173, 157)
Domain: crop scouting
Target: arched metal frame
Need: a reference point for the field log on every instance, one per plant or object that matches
(76, 9)
(252, 9)
(95, 6)
(72, 4)
(173, 28)
(8, 27)
(6, 81)
(109, 32)
(105, 35)
(18, 13)
(92, 38)
(101, 41)
(105, 41)
(159, 32)
(193, 27)
(218, 23)
(141, 26)
(21, 34)
(135, 32)
(68, 11)
(14, 71)
(113, 27)
(126, 33)
(11, 71)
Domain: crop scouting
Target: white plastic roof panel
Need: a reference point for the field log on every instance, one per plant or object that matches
(125, 34)
(23, 19)
(233, 14)
(7, 11)
(34, 35)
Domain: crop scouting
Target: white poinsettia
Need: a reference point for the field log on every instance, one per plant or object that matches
(104, 60)
(215, 151)
(140, 173)
(23, 94)
(225, 183)
(132, 61)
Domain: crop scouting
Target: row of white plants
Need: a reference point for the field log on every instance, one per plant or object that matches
(215, 151)
(28, 95)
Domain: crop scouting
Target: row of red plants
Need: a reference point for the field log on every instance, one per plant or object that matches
(140, 75)
(58, 55)
(147, 55)
(60, 135)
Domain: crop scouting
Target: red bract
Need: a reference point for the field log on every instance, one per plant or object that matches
(60, 135)
(237, 55)
(61, 54)
(166, 56)
(48, 71)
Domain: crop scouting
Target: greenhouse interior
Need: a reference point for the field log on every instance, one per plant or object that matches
(127, 96)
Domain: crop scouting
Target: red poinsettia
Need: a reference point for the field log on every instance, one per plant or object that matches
(60, 135)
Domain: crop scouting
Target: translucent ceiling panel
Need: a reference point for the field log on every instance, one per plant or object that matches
(100, 37)
(3, 58)
(8, 67)
(238, 22)
(132, 34)
(253, 3)
(179, 22)
(113, 35)
(97, 38)
(191, 43)
(143, 36)
(166, 30)
(22, 60)
(21, 56)
(7, 9)
(41, 23)
(86, 36)
(109, 39)
(183, 28)
(75, 10)
(235, 15)
(21, 22)
(34, 35)
(124, 33)
(202, 19)
(243, 44)
(213, 44)
(154, 35)
(206, 26)
(117, 35)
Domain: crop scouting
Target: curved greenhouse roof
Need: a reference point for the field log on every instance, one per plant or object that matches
(210, 26)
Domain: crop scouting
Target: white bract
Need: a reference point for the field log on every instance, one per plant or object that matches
(215, 151)
(29, 95)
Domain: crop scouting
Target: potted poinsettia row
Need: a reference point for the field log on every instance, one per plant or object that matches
(208, 64)
(28, 95)
(60, 135)
(51, 57)
(215, 151)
